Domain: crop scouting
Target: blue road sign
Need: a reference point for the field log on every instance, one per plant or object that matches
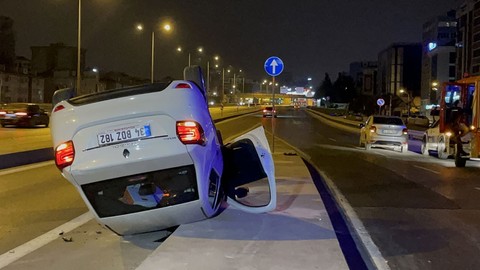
(273, 66)
(380, 102)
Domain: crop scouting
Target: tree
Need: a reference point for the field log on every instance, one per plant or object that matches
(344, 88)
(325, 89)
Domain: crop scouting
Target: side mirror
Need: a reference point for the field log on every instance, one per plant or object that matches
(248, 175)
(361, 125)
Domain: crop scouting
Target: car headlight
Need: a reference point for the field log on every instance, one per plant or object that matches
(449, 134)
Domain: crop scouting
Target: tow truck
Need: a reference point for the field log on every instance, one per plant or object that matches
(457, 97)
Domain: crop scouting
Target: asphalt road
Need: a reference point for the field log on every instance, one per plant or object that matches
(421, 212)
(35, 198)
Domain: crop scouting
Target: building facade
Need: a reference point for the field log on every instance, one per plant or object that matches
(17, 87)
(438, 55)
(399, 67)
(57, 63)
(468, 39)
(364, 74)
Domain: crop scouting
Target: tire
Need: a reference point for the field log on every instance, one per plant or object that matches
(404, 149)
(441, 151)
(424, 147)
(368, 146)
(459, 161)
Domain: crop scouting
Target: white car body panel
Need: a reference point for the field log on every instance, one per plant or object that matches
(139, 185)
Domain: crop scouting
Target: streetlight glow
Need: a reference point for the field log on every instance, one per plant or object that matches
(179, 49)
(167, 27)
(139, 27)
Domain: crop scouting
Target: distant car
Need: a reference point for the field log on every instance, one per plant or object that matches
(384, 131)
(23, 114)
(149, 157)
(269, 111)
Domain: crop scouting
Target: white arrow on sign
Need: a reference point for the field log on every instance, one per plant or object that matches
(274, 64)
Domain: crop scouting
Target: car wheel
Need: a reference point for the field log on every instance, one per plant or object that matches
(360, 143)
(424, 147)
(368, 146)
(459, 161)
(441, 150)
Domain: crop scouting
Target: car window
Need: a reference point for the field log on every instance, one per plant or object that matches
(388, 121)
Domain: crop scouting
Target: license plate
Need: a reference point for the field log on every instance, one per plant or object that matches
(124, 134)
(386, 131)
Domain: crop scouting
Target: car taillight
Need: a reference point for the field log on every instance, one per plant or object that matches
(64, 155)
(264, 110)
(58, 108)
(21, 113)
(190, 132)
(2, 113)
(405, 131)
(373, 129)
(183, 86)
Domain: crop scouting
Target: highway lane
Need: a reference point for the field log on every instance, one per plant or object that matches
(422, 212)
(35, 198)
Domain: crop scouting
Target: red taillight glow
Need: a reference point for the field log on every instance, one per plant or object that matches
(58, 108)
(190, 132)
(405, 131)
(183, 86)
(64, 155)
(373, 129)
(21, 113)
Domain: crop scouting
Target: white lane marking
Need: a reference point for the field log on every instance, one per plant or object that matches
(332, 139)
(26, 167)
(32, 245)
(477, 188)
(426, 169)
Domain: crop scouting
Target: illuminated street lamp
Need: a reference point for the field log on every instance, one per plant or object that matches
(198, 50)
(166, 27)
(79, 38)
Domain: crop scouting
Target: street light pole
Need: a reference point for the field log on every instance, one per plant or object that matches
(153, 56)
(79, 35)
(208, 75)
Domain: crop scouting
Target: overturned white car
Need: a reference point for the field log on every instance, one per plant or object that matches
(149, 157)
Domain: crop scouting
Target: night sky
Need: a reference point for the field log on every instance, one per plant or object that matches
(311, 36)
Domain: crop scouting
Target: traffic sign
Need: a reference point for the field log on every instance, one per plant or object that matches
(273, 66)
(380, 102)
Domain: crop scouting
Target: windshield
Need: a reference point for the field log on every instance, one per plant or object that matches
(388, 121)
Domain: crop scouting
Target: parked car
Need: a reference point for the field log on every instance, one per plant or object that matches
(269, 111)
(23, 114)
(384, 131)
(149, 157)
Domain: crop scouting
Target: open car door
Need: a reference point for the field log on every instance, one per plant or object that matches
(249, 173)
